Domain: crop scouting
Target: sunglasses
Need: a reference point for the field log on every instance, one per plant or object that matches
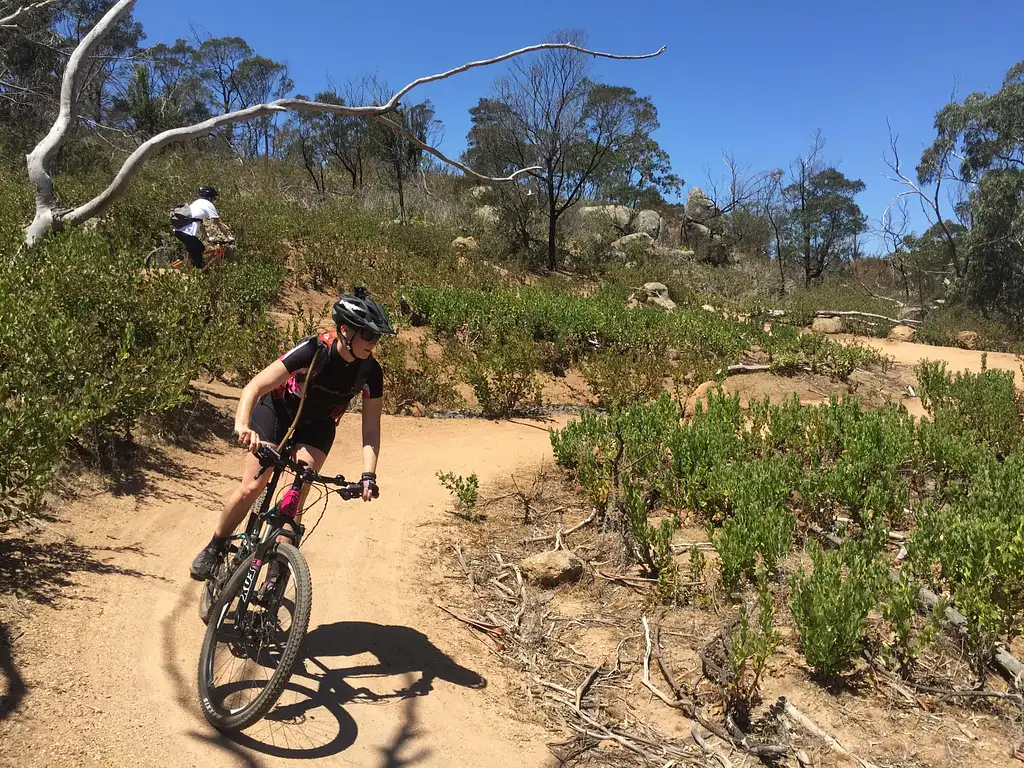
(368, 335)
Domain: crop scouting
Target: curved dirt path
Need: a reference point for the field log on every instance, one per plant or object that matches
(107, 673)
(105, 634)
(909, 353)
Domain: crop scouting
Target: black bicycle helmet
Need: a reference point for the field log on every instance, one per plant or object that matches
(357, 310)
(208, 192)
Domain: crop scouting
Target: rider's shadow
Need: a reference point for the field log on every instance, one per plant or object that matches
(295, 728)
(398, 650)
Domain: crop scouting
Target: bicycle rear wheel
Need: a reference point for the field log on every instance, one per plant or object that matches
(245, 664)
(162, 257)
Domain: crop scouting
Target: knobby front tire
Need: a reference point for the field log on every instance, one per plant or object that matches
(221, 628)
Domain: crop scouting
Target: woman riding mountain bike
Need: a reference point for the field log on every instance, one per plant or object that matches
(301, 397)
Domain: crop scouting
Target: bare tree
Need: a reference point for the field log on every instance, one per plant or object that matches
(893, 230)
(548, 113)
(49, 214)
(7, 21)
(939, 171)
(774, 210)
(740, 187)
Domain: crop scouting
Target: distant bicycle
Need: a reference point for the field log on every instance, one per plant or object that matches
(172, 256)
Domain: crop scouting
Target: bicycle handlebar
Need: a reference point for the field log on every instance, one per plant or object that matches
(270, 458)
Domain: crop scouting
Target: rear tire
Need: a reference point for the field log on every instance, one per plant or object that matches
(220, 716)
(162, 257)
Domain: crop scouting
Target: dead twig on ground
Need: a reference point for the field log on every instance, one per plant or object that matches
(494, 631)
(560, 532)
(465, 566)
(647, 669)
(708, 750)
(948, 693)
(799, 718)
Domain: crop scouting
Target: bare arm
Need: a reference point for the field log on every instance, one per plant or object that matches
(270, 377)
(371, 436)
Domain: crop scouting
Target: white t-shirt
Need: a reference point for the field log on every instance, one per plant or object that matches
(201, 209)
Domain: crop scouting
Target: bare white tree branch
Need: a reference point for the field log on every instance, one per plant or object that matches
(396, 99)
(392, 125)
(48, 213)
(7, 22)
(39, 159)
(928, 203)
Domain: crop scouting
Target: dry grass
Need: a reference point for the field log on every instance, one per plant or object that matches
(578, 653)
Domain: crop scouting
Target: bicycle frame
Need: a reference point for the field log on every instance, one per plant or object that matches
(278, 521)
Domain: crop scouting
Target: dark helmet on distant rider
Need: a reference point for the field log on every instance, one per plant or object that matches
(207, 192)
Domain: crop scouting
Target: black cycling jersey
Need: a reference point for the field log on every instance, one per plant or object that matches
(335, 382)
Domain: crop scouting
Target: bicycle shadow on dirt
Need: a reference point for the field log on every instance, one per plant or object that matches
(399, 652)
(12, 685)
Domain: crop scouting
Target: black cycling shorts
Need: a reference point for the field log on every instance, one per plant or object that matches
(271, 421)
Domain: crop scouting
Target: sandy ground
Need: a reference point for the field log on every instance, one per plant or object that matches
(104, 663)
(99, 633)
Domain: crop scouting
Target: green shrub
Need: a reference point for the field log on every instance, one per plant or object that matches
(619, 377)
(758, 528)
(412, 376)
(942, 326)
(749, 649)
(977, 543)
(465, 490)
(651, 546)
(982, 407)
(830, 605)
(504, 380)
(93, 345)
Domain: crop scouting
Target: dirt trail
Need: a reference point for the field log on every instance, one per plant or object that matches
(908, 353)
(102, 616)
(109, 672)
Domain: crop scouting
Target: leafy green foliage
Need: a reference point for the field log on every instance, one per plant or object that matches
(985, 407)
(413, 376)
(758, 528)
(830, 605)
(750, 648)
(974, 549)
(504, 379)
(465, 490)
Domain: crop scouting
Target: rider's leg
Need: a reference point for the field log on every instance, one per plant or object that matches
(315, 458)
(195, 248)
(241, 499)
(237, 505)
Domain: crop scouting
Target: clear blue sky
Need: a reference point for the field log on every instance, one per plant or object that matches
(755, 78)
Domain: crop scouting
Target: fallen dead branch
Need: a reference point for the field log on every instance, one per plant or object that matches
(777, 313)
(709, 751)
(947, 693)
(799, 718)
(560, 532)
(647, 668)
(648, 750)
(494, 631)
(689, 708)
(465, 566)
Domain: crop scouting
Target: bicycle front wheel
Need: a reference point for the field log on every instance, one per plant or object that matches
(247, 661)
